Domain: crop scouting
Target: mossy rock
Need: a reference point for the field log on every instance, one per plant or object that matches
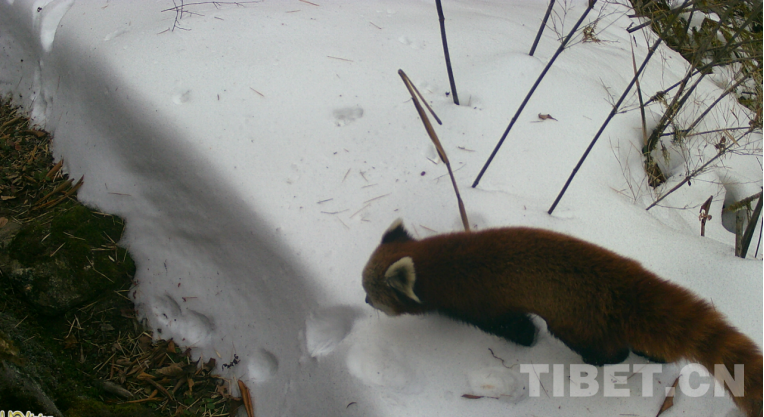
(19, 391)
(63, 263)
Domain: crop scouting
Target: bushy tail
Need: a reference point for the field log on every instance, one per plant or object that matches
(670, 323)
(724, 345)
(729, 347)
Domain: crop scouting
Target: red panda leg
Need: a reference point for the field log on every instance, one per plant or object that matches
(593, 352)
(648, 357)
(515, 327)
(600, 357)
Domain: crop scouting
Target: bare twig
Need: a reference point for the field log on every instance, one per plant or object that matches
(742, 203)
(684, 92)
(607, 120)
(541, 28)
(216, 3)
(181, 9)
(438, 146)
(746, 242)
(432, 112)
(639, 95)
(685, 133)
(445, 51)
(533, 89)
(691, 175)
(718, 99)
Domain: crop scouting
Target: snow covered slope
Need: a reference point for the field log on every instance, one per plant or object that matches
(259, 150)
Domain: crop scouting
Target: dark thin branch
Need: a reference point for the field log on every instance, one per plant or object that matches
(650, 22)
(639, 93)
(638, 27)
(736, 45)
(691, 175)
(756, 254)
(442, 20)
(533, 89)
(721, 96)
(541, 28)
(750, 229)
(672, 109)
(216, 3)
(682, 96)
(180, 9)
(744, 203)
(607, 120)
(703, 68)
(673, 86)
(685, 132)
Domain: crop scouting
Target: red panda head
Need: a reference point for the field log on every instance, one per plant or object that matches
(389, 276)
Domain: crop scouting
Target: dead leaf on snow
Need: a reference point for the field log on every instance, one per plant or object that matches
(546, 116)
(669, 401)
(245, 396)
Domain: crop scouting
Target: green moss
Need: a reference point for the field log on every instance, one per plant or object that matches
(80, 230)
(27, 247)
(61, 253)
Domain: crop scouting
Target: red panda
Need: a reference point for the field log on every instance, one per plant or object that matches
(600, 304)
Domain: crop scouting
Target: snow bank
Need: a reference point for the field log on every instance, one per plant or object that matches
(258, 151)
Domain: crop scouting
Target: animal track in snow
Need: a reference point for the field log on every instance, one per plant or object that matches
(495, 382)
(346, 115)
(383, 366)
(413, 44)
(115, 34)
(181, 96)
(326, 328)
(192, 326)
(262, 365)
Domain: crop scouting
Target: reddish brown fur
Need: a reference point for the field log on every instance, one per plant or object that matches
(597, 302)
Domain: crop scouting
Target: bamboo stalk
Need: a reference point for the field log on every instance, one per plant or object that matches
(442, 20)
(691, 175)
(533, 89)
(602, 128)
(541, 28)
(746, 241)
(434, 137)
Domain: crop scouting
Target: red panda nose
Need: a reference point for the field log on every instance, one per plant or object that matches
(367, 300)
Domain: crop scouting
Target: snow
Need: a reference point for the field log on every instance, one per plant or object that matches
(258, 152)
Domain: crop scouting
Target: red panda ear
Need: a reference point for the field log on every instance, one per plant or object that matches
(396, 233)
(401, 277)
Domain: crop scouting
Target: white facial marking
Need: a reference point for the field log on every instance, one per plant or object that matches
(385, 309)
